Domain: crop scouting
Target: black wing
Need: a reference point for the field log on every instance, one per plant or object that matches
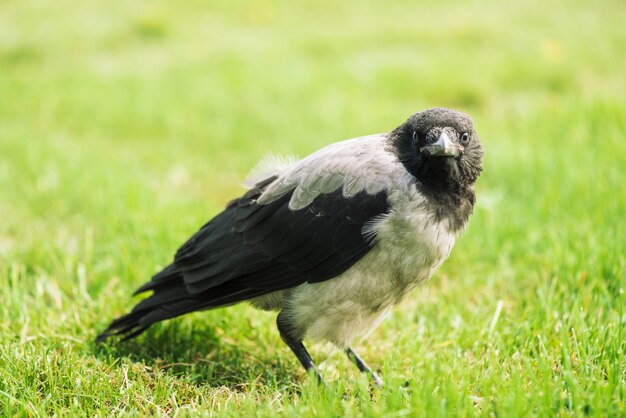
(250, 250)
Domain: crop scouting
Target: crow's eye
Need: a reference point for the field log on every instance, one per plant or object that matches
(465, 138)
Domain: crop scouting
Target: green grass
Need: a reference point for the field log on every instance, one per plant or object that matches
(126, 125)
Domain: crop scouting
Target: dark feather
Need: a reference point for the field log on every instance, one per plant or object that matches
(250, 250)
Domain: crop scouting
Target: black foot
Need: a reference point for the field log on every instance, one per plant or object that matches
(300, 351)
(363, 367)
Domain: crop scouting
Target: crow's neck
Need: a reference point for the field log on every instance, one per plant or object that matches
(449, 200)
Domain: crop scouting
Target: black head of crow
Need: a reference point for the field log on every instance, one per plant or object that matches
(332, 241)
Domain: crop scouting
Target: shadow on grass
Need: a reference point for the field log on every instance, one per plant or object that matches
(203, 356)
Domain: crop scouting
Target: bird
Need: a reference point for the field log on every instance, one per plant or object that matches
(332, 241)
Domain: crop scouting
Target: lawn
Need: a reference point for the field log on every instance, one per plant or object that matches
(124, 126)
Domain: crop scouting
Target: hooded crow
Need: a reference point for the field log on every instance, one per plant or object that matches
(333, 241)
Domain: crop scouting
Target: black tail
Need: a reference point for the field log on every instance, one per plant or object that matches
(171, 299)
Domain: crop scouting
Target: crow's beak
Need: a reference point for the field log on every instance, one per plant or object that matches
(444, 147)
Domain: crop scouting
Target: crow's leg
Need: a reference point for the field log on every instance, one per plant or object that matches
(298, 349)
(363, 367)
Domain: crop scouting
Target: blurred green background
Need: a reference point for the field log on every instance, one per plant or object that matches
(124, 126)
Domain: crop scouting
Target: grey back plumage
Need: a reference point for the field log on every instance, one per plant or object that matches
(354, 165)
